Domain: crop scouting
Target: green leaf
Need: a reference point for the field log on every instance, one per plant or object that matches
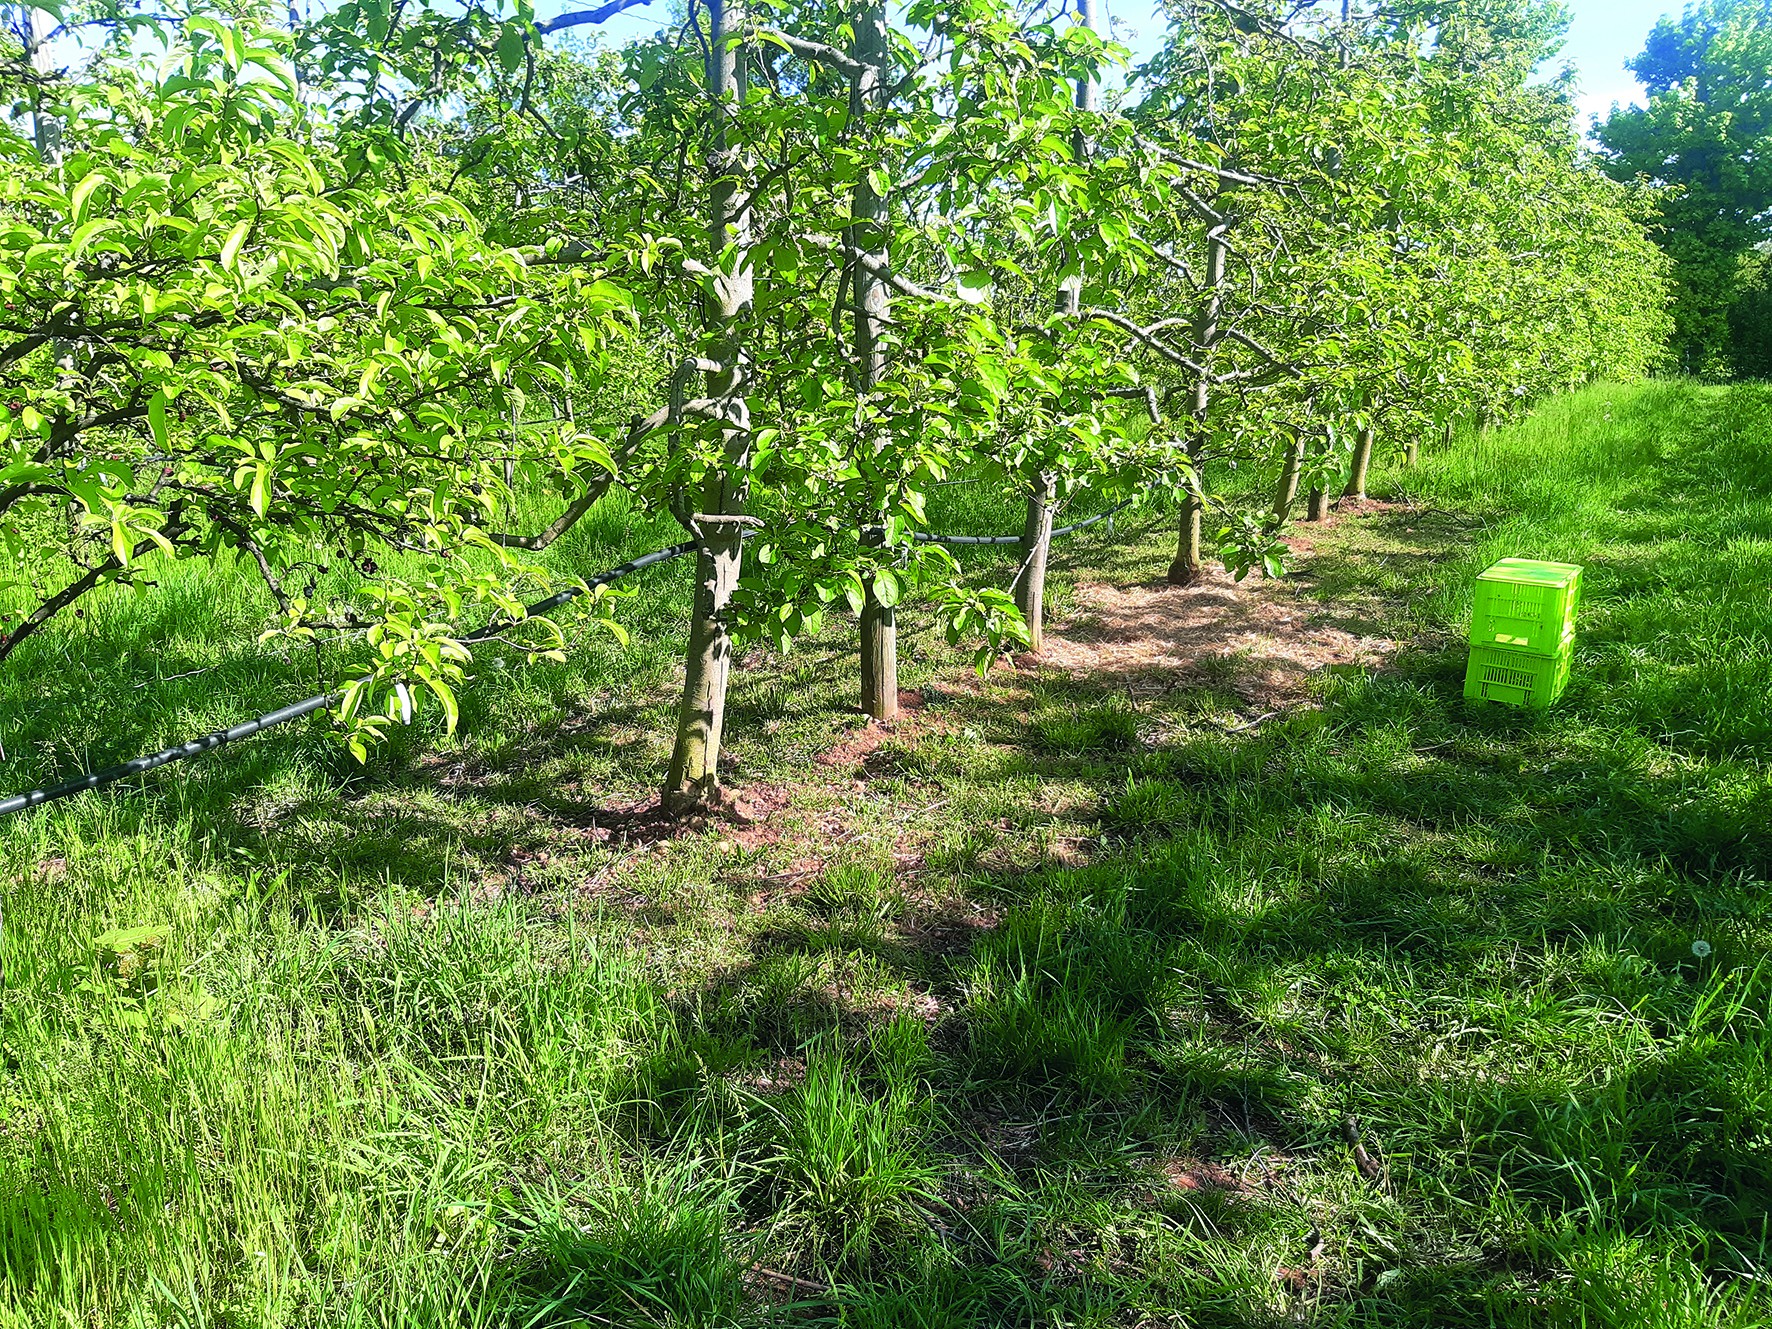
(974, 287)
(123, 941)
(230, 249)
(157, 421)
(83, 192)
(451, 711)
(510, 48)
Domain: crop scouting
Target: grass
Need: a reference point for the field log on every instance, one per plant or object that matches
(1049, 1011)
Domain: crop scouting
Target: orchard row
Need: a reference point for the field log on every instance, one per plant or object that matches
(367, 289)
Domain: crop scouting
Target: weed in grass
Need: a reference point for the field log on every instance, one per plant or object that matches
(656, 1249)
(847, 1182)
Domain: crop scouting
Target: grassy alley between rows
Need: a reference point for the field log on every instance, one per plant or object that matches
(1083, 998)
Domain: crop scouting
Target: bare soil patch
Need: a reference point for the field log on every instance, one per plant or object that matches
(1262, 637)
(852, 750)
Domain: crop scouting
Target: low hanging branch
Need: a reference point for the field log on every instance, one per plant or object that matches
(93, 577)
(817, 53)
(702, 408)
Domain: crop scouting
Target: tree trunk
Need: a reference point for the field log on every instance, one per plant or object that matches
(1356, 476)
(1036, 547)
(1189, 556)
(694, 778)
(1190, 559)
(1286, 492)
(1036, 531)
(701, 715)
(33, 32)
(1318, 509)
(879, 624)
(1412, 452)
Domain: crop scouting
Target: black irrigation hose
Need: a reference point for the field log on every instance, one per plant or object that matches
(164, 757)
(601, 579)
(922, 537)
(221, 737)
(1090, 521)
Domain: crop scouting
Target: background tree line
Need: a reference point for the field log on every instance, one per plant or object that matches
(1705, 141)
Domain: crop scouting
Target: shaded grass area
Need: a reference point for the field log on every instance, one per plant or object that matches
(1053, 1009)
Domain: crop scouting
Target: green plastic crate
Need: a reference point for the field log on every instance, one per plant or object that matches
(1516, 678)
(1522, 604)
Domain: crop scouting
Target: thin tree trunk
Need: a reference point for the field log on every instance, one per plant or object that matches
(879, 623)
(1190, 558)
(1036, 546)
(1286, 492)
(42, 137)
(701, 715)
(1317, 505)
(1036, 529)
(1189, 554)
(1356, 476)
(694, 778)
(511, 465)
(1412, 452)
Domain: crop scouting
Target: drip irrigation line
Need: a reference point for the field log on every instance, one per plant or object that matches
(601, 579)
(166, 756)
(221, 737)
(926, 538)
(1090, 521)
(196, 747)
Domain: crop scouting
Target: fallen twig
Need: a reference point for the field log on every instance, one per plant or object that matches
(804, 1284)
(1253, 724)
(1369, 1169)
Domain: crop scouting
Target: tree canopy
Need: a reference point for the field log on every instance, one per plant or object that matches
(369, 289)
(1706, 136)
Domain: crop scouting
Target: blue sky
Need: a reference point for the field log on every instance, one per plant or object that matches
(1604, 34)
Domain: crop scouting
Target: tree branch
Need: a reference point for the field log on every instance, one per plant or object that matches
(1263, 352)
(581, 17)
(704, 408)
(75, 589)
(243, 538)
(1145, 393)
(1224, 174)
(816, 52)
(1147, 338)
(13, 493)
(872, 263)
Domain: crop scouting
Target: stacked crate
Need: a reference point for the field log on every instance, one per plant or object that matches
(1523, 632)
